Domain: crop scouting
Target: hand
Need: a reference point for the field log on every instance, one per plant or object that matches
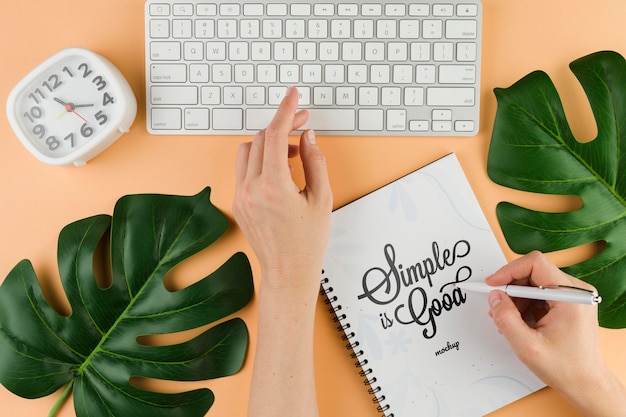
(559, 342)
(288, 230)
(286, 227)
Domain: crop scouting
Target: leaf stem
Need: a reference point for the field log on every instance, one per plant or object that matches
(62, 398)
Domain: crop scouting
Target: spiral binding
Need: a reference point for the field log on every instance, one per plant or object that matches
(353, 345)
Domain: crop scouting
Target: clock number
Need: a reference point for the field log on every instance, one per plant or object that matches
(56, 83)
(35, 113)
(85, 68)
(68, 71)
(101, 118)
(34, 94)
(107, 99)
(70, 138)
(53, 143)
(39, 130)
(100, 83)
(86, 131)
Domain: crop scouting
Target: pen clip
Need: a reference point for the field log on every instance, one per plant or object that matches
(596, 297)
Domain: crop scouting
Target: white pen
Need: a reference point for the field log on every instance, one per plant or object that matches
(553, 293)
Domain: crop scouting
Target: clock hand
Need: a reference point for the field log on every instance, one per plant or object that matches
(70, 108)
(85, 120)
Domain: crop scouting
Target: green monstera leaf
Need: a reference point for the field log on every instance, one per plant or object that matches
(533, 149)
(95, 350)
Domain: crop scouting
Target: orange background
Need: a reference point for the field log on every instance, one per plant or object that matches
(38, 200)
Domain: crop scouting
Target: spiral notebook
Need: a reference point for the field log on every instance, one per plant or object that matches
(423, 346)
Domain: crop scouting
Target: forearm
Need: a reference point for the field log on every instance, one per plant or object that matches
(602, 396)
(283, 379)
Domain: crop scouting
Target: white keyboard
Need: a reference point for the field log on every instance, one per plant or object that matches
(400, 68)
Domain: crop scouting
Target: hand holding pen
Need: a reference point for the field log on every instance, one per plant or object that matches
(558, 341)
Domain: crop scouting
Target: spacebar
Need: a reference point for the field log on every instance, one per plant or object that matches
(319, 119)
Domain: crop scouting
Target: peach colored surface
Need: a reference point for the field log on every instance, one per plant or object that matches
(38, 200)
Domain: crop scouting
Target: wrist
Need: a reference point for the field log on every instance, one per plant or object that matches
(590, 396)
(297, 277)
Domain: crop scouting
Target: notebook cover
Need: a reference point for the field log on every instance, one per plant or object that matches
(426, 347)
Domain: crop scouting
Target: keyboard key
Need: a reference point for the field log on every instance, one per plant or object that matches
(413, 96)
(165, 51)
(230, 9)
(166, 119)
(227, 119)
(211, 95)
(325, 9)
(464, 125)
(450, 97)
(396, 119)
(443, 10)
(193, 51)
(205, 29)
(319, 119)
(409, 29)
(395, 9)
(466, 52)
(233, 96)
(159, 28)
(457, 74)
(347, 9)
(371, 119)
(253, 10)
(432, 29)
(255, 96)
(300, 9)
(442, 125)
(461, 29)
(205, 9)
(183, 9)
(159, 9)
(467, 10)
(421, 10)
(276, 10)
(372, 10)
(168, 73)
(331, 119)
(442, 115)
(181, 29)
(418, 125)
(169, 95)
(425, 74)
(199, 73)
(197, 119)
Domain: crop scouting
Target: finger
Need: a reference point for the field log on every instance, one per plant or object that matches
(509, 322)
(241, 164)
(255, 158)
(533, 268)
(275, 151)
(315, 169)
(299, 119)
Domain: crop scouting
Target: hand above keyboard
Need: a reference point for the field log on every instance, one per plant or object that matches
(382, 69)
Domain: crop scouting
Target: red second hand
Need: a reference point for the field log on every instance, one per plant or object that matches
(85, 120)
(70, 108)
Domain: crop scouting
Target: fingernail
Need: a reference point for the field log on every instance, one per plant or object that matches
(289, 90)
(310, 135)
(494, 299)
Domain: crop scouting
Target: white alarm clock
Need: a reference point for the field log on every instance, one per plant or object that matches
(71, 107)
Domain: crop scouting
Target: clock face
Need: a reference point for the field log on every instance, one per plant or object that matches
(68, 105)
